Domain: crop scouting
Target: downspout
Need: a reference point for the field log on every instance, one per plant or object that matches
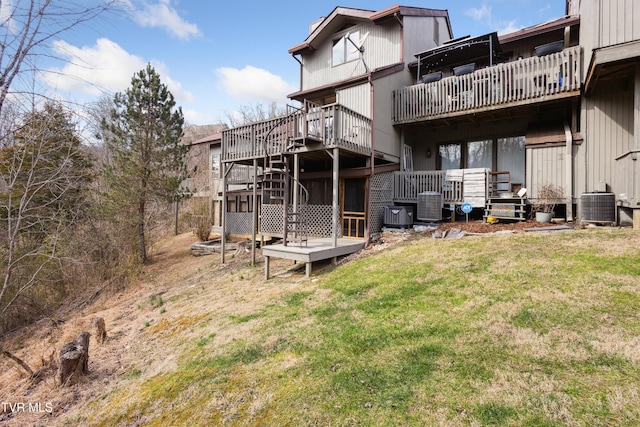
(373, 168)
(293, 55)
(569, 171)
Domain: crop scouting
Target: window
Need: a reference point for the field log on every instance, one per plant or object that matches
(215, 165)
(511, 157)
(500, 154)
(449, 156)
(479, 154)
(344, 50)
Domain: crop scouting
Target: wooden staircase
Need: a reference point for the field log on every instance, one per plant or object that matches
(280, 187)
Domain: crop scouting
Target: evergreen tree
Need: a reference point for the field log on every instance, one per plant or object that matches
(147, 161)
(44, 177)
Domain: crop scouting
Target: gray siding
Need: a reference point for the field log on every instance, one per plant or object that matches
(606, 23)
(620, 21)
(545, 166)
(357, 98)
(422, 33)
(609, 135)
(382, 47)
(386, 138)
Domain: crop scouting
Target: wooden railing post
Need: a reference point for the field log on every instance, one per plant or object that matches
(530, 78)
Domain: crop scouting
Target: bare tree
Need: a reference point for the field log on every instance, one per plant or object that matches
(27, 27)
(45, 176)
(246, 114)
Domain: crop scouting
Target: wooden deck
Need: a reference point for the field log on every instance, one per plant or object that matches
(521, 82)
(331, 126)
(316, 250)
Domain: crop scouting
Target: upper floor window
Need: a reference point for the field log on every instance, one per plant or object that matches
(344, 50)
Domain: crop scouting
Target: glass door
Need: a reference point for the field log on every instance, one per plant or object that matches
(353, 207)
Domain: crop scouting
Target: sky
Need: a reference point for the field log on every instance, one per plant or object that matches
(218, 56)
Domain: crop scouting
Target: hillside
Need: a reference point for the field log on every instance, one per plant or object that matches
(522, 329)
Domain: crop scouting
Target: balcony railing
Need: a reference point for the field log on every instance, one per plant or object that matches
(407, 186)
(526, 80)
(457, 186)
(330, 125)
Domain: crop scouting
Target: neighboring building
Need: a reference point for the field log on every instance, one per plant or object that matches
(205, 181)
(392, 109)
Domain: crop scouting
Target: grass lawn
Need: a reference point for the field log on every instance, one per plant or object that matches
(532, 329)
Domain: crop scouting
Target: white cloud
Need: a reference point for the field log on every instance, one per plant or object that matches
(254, 83)
(162, 15)
(6, 16)
(480, 14)
(484, 14)
(197, 117)
(544, 10)
(93, 70)
(509, 27)
(104, 67)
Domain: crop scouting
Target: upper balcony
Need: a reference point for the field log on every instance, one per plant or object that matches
(521, 82)
(302, 129)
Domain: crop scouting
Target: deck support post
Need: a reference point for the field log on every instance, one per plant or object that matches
(254, 227)
(223, 240)
(266, 267)
(296, 181)
(335, 199)
(307, 270)
(636, 141)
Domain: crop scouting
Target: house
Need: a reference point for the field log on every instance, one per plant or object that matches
(325, 169)
(205, 183)
(393, 110)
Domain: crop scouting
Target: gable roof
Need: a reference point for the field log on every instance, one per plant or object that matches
(215, 138)
(342, 16)
(545, 27)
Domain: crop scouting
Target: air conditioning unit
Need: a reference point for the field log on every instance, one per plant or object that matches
(429, 206)
(598, 207)
(398, 216)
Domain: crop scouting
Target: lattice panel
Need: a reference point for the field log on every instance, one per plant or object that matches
(239, 222)
(381, 196)
(318, 219)
(271, 219)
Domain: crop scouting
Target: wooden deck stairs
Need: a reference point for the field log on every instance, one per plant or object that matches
(280, 187)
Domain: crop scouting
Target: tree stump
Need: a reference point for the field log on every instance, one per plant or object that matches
(100, 330)
(74, 360)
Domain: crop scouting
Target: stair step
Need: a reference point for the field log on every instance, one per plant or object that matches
(274, 170)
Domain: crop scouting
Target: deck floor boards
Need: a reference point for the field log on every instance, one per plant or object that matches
(315, 250)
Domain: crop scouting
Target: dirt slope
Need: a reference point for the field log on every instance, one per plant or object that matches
(174, 289)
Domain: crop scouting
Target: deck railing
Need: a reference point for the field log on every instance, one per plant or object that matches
(330, 125)
(407, 186)
(535, 78)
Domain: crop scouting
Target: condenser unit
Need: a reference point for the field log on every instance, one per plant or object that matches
(598, 207)
(429, 206)
(398, 216)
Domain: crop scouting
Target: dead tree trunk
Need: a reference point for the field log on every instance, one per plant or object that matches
(100, 330)
(74, 360)
(19, 361)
